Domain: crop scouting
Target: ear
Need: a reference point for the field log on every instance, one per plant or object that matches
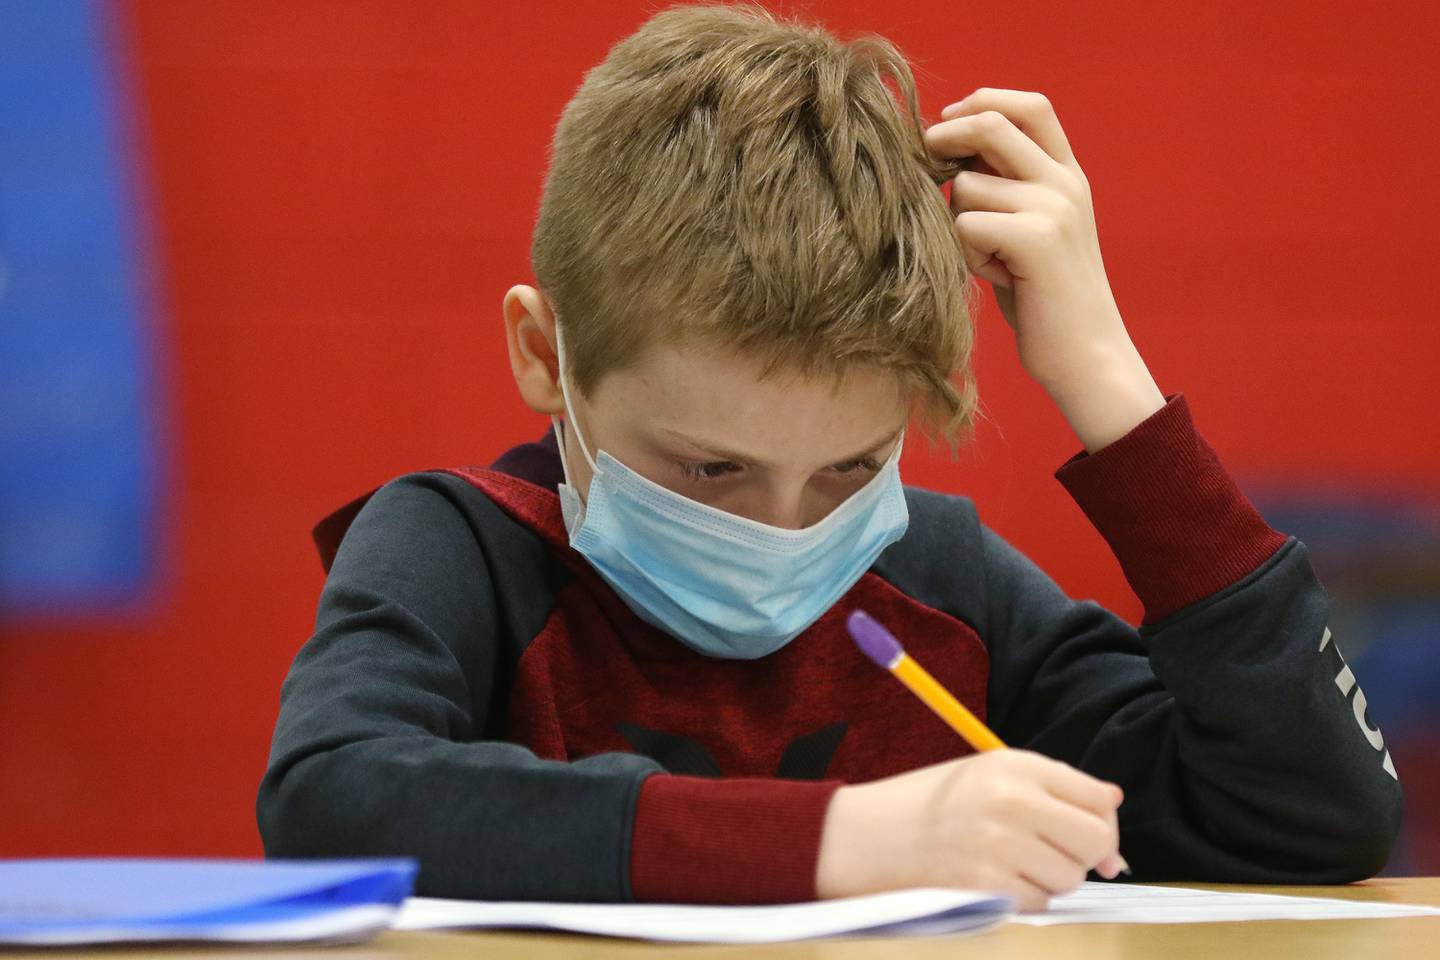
(530, 338)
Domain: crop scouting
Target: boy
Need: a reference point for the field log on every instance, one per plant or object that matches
(613, 665)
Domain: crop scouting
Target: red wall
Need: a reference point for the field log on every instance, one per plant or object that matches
(342, 193)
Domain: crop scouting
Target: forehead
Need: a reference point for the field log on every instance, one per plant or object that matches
(690, 387)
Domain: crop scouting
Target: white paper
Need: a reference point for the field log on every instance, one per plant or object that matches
(1097, 902)
(920, 911)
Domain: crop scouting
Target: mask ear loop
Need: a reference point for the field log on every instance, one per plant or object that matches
(899, 446)
(569, 413)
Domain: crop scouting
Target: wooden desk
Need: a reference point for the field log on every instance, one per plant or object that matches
(1410, 938)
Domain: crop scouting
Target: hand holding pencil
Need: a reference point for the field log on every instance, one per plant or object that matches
(1005, 820)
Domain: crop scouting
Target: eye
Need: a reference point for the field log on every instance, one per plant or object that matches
(867, 464)
(709, 470)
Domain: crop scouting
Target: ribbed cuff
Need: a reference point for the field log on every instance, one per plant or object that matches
(730, 840)
(1180, 527)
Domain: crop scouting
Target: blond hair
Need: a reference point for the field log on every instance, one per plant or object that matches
(727, 177)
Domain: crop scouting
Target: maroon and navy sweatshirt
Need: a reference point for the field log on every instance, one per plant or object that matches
(477, 697)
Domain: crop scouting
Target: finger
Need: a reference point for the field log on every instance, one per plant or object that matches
(1029, 897)
(1001, 878)
(1030, 111)
(1082, 790)
(977, 191)
(979, 263)
(996, 140)
(979, 165)
(1115, 864)
(987, 236)
(1047, 868)
(1112, 866)
(1079, 834)
(1090, 841)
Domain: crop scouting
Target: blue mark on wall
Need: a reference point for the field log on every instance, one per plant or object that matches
(79, 471)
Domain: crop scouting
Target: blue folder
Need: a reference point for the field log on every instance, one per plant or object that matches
(104, 900)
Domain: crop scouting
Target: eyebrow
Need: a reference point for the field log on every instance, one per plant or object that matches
(720, 453)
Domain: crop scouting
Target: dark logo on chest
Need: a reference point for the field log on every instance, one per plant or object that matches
(807, 757)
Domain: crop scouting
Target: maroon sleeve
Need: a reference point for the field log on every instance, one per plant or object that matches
(731, 840)
(1173, 516)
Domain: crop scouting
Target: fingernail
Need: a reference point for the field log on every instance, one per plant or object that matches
(1124, 867)
(945, 111)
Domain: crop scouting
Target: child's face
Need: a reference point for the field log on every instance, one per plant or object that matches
(784, 450)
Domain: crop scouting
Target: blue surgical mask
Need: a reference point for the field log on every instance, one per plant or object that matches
(724, 585)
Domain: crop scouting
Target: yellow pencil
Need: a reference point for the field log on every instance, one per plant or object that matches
(879, 645)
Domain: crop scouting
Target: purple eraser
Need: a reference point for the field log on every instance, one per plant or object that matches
(873, 640)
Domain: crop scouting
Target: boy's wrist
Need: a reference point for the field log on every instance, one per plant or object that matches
(832, 866)
(1107, 397)
(841, 864)
(867, 828)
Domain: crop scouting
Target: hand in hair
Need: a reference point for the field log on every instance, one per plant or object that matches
(1026, 224)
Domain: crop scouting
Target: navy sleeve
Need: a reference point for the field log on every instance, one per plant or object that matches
(376, 750)
(1229, 716)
